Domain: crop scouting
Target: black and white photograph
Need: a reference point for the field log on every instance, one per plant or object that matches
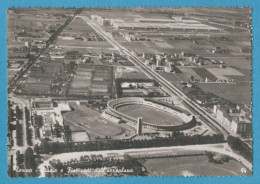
(118, 92)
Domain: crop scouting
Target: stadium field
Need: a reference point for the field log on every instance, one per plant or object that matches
(150, 115)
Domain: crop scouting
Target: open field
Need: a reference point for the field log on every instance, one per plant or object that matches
(217, 73)
(129, 73)
(91, 121)
(78, 25)
(220, 73)
(141, 47)
(247, 75)
(150, 115)
(237, 62)
(101, 44)
(192, 166)
(80, 83)
(174, 77)
(188, 72)
(172, 46)
(204, 73)
(237, 93)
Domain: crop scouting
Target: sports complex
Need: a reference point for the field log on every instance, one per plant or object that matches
(156, 115)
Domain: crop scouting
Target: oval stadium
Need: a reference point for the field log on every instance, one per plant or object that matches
(156, 115)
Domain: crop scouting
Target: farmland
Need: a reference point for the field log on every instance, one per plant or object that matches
(82, 43)
(91, 79)
(204, 73)
(237, 93)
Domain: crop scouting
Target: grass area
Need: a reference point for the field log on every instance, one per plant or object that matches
(220, 73)
(174, 77)
(192, 166)
(141, 47)
(150, 115)
(237, 93)
(91, 121)
(76, 43)
(238, 62)
(204, 73)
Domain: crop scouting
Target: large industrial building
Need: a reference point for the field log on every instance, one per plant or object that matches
(178, 26)
(175, 24)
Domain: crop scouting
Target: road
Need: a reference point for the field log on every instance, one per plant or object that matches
(22, 104)
(217, 148)
(85, 47)
(171, 89)
(229, 26)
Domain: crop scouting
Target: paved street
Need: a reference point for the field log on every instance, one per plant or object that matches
(217, 148)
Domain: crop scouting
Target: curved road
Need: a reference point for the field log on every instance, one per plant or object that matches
(217, 148)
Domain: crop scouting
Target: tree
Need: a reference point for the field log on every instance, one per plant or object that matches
(36, 149)
(192, 78)
(29, 161)
(18, 112)
(19, 132)
(238, 145)
(19, 158)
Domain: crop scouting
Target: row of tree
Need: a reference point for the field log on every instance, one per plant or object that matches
(56, 147)
(19, 134)
(19, 113)
(10, 112)
(97, 161)
(244, 149)
(26, 163)
(27, 124)
(217, 160)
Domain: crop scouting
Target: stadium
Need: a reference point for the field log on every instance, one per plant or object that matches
(156, 115)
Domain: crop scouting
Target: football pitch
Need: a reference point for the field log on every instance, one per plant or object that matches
(150, 115)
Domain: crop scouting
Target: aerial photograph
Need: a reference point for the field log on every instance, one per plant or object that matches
(118, 92)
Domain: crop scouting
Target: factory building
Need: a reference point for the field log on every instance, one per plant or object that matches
(183, 26)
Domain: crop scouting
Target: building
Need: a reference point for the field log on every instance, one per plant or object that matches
(47, 126)
(101, 20)
(139, 125)
(105, 22)
(163, 26)
(57, 53)
(235, 120)
(42, 103)
(241, 127)
(168, 68)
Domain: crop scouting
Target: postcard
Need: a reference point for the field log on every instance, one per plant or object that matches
(121, 92)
